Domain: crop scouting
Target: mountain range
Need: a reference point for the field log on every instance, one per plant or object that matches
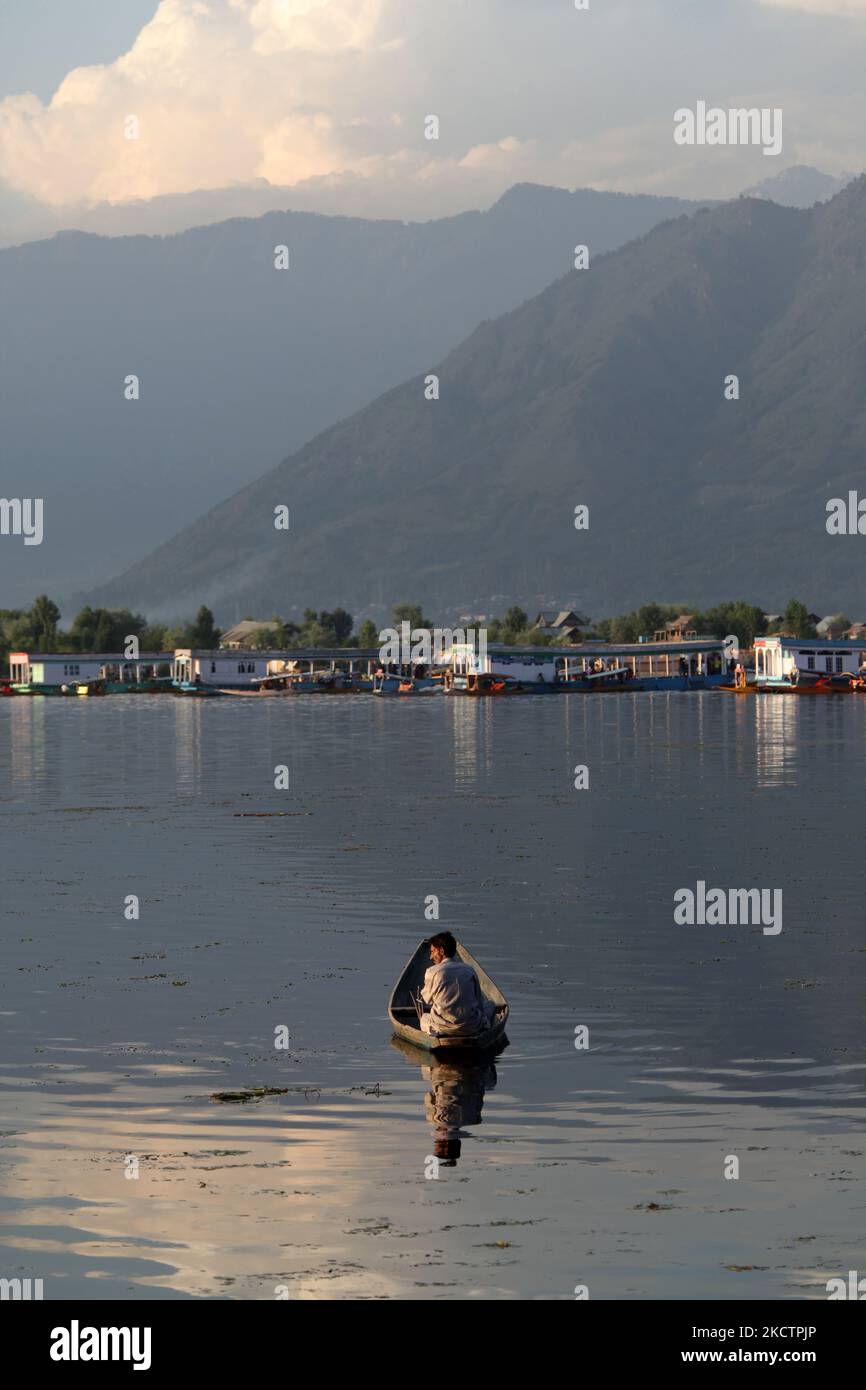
(239, 363)
(24, 218)
(608, 389)
(799, 186)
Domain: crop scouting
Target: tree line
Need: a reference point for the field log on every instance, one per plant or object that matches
(38, 629)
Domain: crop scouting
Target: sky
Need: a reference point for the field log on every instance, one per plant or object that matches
(330, 97)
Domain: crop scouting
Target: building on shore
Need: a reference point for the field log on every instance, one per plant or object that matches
(243, 632)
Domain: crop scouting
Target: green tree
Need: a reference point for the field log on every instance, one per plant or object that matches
(203, 633)
(652, 617)
(623, 629)
(340, 623)
(409, 613)
(104, 629)
(796, 620)
(368, 634)
(43, 619)
(153, 638)
(278, 636)
(741, 618)
(515, 620)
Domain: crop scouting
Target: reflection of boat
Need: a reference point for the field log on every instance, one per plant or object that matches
(404, 1017)
(458, 1085)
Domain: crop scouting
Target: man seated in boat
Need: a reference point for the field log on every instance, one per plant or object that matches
(454, 1006)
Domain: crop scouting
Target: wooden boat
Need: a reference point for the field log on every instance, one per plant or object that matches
(404, 1019)
(484, 683)
(823, 685)
(199, 692)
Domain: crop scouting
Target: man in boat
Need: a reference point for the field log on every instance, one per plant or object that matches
(454, 1006)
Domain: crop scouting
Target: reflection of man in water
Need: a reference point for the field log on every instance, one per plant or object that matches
(454, 1004)
(455, 1099)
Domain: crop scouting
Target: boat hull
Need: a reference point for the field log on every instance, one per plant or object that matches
(401, 1010)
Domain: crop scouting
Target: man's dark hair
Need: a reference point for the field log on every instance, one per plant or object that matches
(445, 941)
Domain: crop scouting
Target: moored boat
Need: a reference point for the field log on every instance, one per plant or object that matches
(201, 692)
(404, 1016)
(483, 683)
(809, 665)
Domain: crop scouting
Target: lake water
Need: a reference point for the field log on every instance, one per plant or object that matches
(262, 908)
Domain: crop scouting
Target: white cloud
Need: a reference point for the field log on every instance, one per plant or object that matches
(223, 89)
(329, 97)
(832, 7)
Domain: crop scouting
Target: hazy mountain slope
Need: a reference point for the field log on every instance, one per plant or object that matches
(238, 362)
(606, 389)
(799, 186)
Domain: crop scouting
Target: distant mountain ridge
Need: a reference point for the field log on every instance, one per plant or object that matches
(239, 363)
(606, 389)
(799, 186)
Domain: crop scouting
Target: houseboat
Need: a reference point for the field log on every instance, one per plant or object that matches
(310, 670)
(809, 666)
(592, 667)
(74, 673)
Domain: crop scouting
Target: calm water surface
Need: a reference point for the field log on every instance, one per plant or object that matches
(261, 908)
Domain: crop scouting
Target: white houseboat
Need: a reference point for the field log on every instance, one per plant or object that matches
(307, 669)
(687, 665)
(797, 663)
(68, 673)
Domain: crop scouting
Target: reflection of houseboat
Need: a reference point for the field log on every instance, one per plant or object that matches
(591, 667)
(809, 666)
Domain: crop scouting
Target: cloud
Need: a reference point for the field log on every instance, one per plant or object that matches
(328, 98)
(223, 90)
(831, 7)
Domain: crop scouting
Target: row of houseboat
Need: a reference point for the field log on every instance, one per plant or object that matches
(782, 665)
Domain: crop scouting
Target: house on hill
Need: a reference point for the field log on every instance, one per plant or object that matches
(679, 629)
(564, 626)
(242, 634)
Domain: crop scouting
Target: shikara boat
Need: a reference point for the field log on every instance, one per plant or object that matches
(199, 692)
(404, 1018)
(484, 683)
(824, 685)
